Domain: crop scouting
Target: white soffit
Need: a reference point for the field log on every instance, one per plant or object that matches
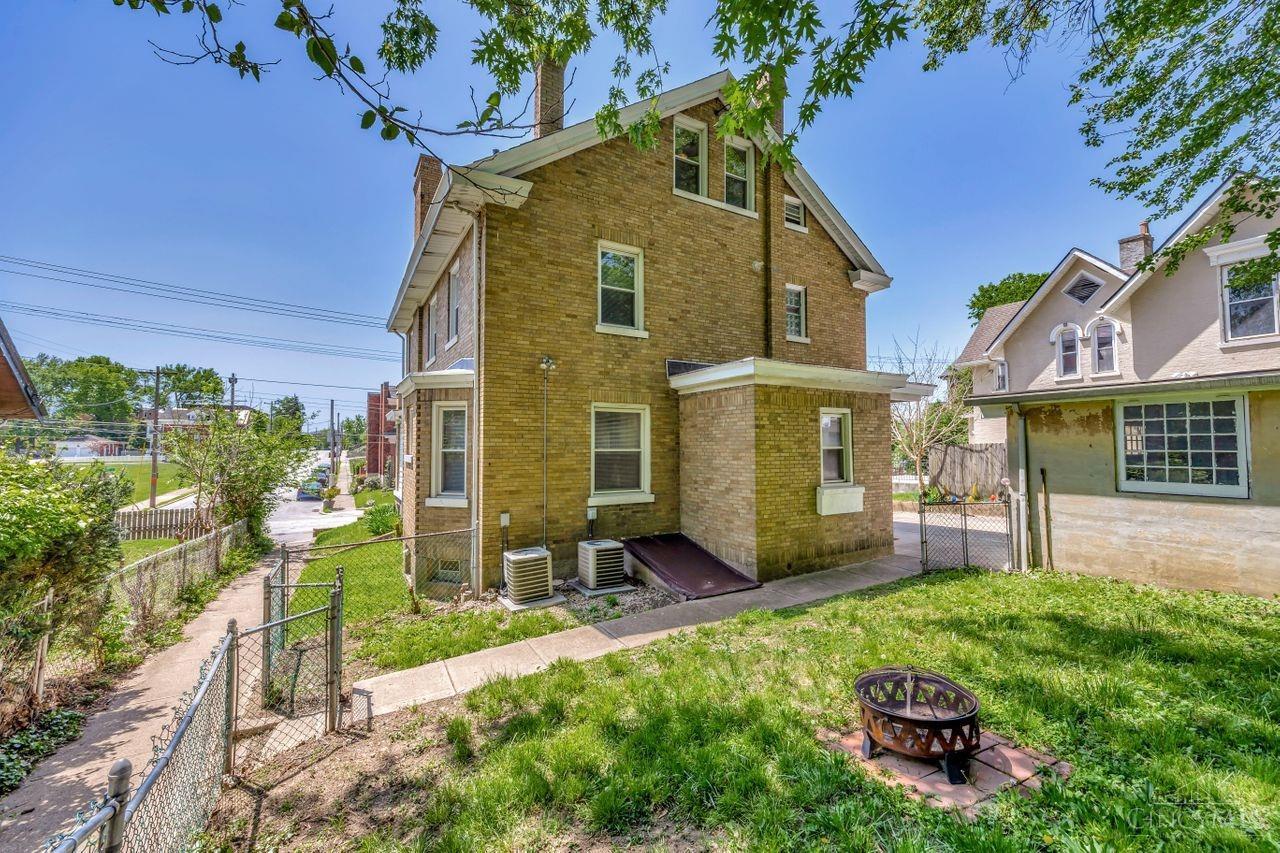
(764, 371)
(432, 379)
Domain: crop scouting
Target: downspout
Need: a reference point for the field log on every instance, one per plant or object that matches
(477, 577)
(768, 260)
(1024, 498)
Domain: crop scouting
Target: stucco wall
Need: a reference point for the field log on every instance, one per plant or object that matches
(1194, 542)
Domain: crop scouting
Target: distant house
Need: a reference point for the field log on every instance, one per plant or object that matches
(18, 398)
(1144, 413)
(171, 417)
(380, 410)
(79, 446)
(988, 376)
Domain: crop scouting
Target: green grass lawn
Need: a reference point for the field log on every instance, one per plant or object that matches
(906, 496)
(139, 474)
(1166, 703)
(136, 549)
(411, 641)
(374, 497)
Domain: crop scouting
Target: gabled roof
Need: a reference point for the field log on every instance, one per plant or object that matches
(18, 397)
(993, 320)
(1047, 286)
(1199, 218)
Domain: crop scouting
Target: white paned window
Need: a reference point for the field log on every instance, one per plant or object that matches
(739, 175)
(1068, 354)
(837, 453)
(431, 330)
(690, 156)
(1104, 348)
(797, 309)
(453, 313)
(1249, 304)
(449, 445)
(793, 213)
(1002, 376)
(1187, 446)
(620, 271)
(619, 449)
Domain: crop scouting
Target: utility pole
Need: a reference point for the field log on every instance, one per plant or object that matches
(155, 440)
(233, 382)
(333, 464)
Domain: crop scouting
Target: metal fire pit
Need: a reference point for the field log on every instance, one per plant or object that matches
(919, 713)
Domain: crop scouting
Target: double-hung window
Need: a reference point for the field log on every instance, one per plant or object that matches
(1249, 302)
(797, 310)
(431, 330)
(837, 452)
(1068, 354)
(690, 156)
(619, 453)
(1002, 375)
(739, 174)
(620, 282)
(449, 450)
(1104, 349)
(1193, 446)
(453, 312)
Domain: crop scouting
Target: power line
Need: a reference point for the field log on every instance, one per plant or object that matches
(181, 293)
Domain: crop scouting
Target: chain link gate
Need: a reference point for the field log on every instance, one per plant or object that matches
(966, 533)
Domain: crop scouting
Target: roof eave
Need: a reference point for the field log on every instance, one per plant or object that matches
(1259, 380)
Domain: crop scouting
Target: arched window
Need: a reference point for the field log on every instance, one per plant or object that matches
(1068, 353)
(1104, 348)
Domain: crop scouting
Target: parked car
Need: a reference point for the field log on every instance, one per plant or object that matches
(309, 491)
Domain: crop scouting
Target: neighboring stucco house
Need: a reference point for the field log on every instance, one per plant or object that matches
(643, 341)
(1144, 415)
(988, 376)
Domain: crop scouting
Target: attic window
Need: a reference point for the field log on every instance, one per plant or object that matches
(793, 213)
(1083, 289)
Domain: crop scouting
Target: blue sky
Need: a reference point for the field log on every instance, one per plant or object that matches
(111, 160)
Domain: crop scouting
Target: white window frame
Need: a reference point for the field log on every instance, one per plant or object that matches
(803, 227)
(636, 331)
(439, 498)
(1243, 448)
(431, 328)
(700, 128)
(846, 439)
(1224, 312)
(629, 496)
(453, 305)
(803, 337)
(749, 149)
(1097, 349)
(1061, 351)
(1000, 375)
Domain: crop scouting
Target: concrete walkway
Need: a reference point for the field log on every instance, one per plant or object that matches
(384, 694)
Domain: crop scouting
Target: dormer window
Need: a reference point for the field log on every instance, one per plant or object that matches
(1083, 289)
(690, 156)
(1249, 303)
(793, 213)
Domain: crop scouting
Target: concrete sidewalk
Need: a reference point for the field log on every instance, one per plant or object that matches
(384, 694)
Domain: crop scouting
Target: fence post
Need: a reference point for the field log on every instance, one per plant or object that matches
(119, 781)
(233, 696)
(217, 550)
(334, 662)
(924, 536)
(42, 653)
(964, 532)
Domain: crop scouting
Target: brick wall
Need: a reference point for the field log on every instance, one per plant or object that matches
(718, 473)
(464, 346)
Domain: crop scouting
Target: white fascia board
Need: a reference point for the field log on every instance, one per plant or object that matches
(835, 224)
(869, 281)
(433, 379)
(764, 371)
(1046, 287)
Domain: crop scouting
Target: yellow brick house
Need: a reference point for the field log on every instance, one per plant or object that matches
(606, 341)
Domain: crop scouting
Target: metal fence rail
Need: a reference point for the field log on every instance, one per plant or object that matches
(966, 533)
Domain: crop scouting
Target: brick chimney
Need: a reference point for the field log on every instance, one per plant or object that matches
(777, 119)
(426, 180)
(548, 98)
(1134, 250)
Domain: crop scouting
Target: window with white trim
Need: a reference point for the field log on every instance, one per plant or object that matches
(449, 449)
(1068, 354)
(1002, 375)
(1104, 348)
(431, 330)
(620, 280)
(453, 307)
(797, 310)
(739, 174)
(1194, 446)
(619, 449)
(837, 449)
(1250, 305)
(793, 213)
(690, 156)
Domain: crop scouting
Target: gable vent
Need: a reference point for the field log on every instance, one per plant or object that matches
(1083, 289)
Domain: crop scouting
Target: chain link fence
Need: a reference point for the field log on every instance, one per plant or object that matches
(431, 565)
(261, 691)
(965, 533)
(152, 589)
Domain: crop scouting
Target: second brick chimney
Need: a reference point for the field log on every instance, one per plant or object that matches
(426, 180)
(548, 98)
(1134, 250)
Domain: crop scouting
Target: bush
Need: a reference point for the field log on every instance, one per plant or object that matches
(381, 519)
(373, 482)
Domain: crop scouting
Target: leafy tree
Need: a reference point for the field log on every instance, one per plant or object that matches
(186, 386)
(236, 470)
(1191, 89)
(1014, 287)
(918, 426)
(290, 409)
(353, 432)
(90, 387)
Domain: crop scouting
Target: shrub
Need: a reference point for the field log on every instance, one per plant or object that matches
(380, 519)
(373, 483)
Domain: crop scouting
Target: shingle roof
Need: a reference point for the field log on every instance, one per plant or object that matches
(994, 319)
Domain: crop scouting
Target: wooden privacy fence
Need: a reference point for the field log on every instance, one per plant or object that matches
(164, 523)
(957, 468)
